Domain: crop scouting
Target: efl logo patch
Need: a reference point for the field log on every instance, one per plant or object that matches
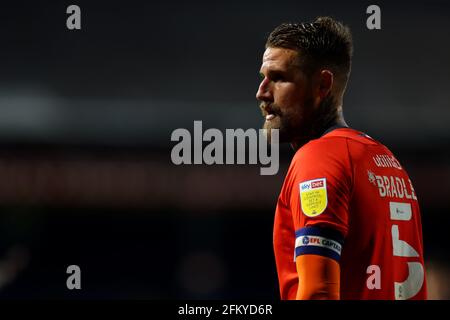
(313, 196)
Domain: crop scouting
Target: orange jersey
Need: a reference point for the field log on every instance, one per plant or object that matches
(348, 198)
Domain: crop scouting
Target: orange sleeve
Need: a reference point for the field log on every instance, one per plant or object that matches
(318, 277)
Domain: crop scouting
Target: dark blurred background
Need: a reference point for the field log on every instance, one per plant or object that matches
(85, 122)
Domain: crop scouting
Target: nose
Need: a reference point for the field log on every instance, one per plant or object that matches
(264, 92)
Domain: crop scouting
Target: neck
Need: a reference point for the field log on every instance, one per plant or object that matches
(320, 127)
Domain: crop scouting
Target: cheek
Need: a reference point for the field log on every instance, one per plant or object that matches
(289, 97)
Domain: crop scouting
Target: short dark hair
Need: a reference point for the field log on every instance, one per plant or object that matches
(322, 43)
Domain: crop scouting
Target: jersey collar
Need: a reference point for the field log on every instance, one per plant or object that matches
(332, 128)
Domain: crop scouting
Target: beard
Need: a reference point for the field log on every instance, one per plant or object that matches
(300, 127)
(280, 123)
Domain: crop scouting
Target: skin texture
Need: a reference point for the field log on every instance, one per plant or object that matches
(304, 106)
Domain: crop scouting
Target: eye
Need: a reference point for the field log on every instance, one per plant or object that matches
(277, 78)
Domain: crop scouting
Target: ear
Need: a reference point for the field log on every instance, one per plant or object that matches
(326, 79)
(323, 83)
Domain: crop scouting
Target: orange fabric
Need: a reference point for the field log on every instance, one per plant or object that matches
(318, 278)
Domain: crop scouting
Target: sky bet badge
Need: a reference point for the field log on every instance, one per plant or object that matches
(313, 196)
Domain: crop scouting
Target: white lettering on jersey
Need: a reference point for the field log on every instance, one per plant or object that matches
(386, 161)
(393, 187)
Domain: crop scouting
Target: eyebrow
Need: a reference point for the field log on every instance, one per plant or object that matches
(276, 73)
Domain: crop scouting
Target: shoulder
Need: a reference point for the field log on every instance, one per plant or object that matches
(321, 149)
(335, 146)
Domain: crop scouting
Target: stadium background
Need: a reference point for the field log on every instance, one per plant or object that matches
(85, 124)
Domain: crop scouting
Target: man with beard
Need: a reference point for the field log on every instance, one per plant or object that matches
(347, 223)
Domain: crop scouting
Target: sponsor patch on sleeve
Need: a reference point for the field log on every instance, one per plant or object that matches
(313, 196)
(317, 240)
